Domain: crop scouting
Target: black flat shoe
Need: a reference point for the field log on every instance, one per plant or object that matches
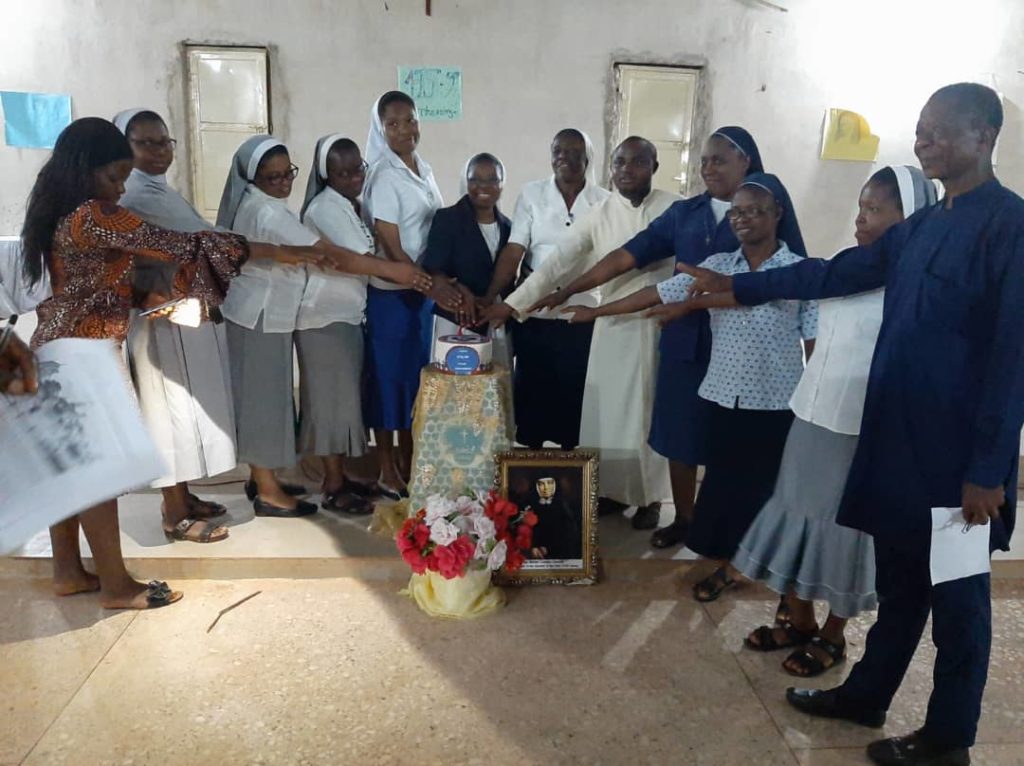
(295, 490)
(302, 508)
(647, 516)
(916, 750)
(825, 703)
(667, 537)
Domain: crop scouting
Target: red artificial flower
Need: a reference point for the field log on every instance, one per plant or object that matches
(513, 560)
(448, 564)
(415, 560)
(524, 537)
(464, 548)
(530, 518)
(421, 534)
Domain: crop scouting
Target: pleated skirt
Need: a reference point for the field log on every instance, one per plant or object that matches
(795, 543)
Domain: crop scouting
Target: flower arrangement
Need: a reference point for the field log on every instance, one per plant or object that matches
(452, 537)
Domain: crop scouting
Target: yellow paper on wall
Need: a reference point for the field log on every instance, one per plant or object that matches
(847, 136)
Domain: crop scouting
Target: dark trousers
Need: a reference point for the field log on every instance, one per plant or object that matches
(550, 375)
(961, 631)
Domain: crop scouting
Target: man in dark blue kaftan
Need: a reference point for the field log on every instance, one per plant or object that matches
(942, 419)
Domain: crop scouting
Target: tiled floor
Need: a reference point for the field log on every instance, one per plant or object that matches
(330, 665)
(343, 671)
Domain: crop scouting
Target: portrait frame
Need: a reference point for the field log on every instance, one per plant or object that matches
(520, 475)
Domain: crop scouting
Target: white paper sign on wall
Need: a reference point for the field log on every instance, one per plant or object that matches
(437, 91)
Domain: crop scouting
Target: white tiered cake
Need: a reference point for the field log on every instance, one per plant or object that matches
(463, 354)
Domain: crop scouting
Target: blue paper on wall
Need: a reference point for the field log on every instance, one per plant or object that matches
(437, 91)
(34, 120)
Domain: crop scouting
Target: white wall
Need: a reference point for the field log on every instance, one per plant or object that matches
(532, 67)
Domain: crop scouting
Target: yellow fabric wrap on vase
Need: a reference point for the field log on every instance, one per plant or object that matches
(472, 595)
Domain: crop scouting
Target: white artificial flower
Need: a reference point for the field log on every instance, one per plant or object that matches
(483, 528)
(462, 523)
(437, 508)
(443, 532)
(467, 506)
(482, 550)
(496, 559)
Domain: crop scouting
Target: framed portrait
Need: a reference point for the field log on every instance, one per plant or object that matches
(561, 488)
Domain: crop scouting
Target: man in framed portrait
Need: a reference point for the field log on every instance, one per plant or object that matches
(557, 534)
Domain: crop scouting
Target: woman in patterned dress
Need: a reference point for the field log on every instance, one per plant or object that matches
(90, 247)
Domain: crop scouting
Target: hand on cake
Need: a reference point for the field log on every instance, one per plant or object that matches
(496, 314)
(467, 313)
(445, 294)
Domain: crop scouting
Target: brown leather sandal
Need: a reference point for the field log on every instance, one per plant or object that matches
(185, 530)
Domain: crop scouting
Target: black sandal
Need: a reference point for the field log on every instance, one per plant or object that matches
(811, 664)
(674, 534)
(713, 586)
(159, 593)
(362, 489)
(766, 641)
(345, 500)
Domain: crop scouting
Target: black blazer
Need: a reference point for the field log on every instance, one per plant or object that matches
(456, 247)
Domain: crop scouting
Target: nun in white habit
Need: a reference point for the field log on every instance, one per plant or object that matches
(551, 353)
(180, 372)
(331, 424)
(401, 197)
(268, 308)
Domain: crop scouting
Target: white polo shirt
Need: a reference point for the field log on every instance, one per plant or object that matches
(541, 218)
(832, 390)
(394, 194)
(270, 289)
(340, 297)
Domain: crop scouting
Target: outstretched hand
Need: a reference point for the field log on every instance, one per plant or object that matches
(670, 312)
(496, 314)
(446, 295)
(553, 301)
(705, 280)
(412, 276)
(580, 314)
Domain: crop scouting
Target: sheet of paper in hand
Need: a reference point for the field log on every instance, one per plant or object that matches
(77, 442)
(957, 551)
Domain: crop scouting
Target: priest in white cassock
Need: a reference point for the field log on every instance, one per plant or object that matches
(181, 373)
(619, 392)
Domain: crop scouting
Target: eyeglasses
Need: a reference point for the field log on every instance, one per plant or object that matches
(754, 211)
(492, 183)
(359, 171)
(276, 178)
(151, 145)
